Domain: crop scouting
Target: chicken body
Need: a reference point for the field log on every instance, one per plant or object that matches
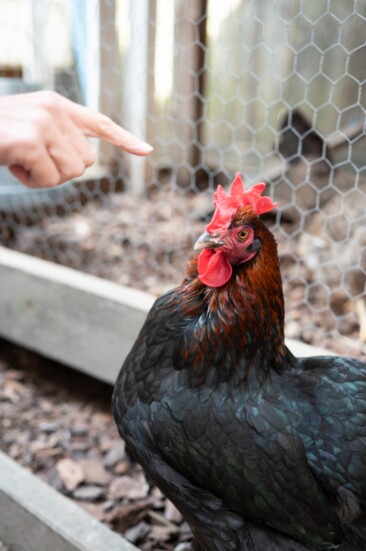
(259, 450)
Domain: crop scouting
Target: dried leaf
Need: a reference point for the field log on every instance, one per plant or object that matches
(13, 390)
(70, 473)
(88, 493)
(172, 513)
(121, 468)
(137, 533)
(125, 517)
(160, 533)
(128, 487)
(183, 547)
(14, 374)
(42, 444)
(115, 454)
(160, 519)
(94, 472)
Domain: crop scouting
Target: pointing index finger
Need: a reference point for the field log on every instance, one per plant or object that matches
(100, 126)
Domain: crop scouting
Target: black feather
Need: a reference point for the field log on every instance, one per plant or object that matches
(260, 451)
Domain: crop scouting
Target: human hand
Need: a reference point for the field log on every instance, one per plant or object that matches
(43, 137)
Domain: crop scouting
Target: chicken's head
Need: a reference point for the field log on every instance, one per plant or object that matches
(230, 238)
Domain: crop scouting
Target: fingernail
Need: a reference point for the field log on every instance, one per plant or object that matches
(133, 144)
(145, 147)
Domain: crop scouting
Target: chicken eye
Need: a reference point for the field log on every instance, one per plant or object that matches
(243, 234)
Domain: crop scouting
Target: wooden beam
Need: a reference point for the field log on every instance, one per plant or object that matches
(34, 517)
(190, 54)
(80, 320)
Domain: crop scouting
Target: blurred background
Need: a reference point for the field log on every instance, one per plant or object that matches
(274, 90)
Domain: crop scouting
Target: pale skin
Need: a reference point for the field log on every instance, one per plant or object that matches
(43, 138)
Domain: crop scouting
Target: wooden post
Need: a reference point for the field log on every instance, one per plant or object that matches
(189, 85)
(138, 87)
(109, 74)
(36, 68)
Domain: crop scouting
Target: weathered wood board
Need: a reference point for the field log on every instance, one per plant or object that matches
(34, 517)
(80, 320)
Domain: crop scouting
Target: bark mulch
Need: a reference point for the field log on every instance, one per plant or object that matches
(57, 423)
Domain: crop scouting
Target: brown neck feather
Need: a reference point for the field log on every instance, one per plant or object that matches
(240, 324)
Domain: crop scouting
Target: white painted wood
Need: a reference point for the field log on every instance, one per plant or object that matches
(36, 59)
(92, 53)
(78, 319)
(303, 350)
(34, 517)
(136, 93)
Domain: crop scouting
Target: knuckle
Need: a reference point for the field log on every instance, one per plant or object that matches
(31, 141)
(32, 146)
(49, 100)
(105, 124)
(52, 180)
(80, 170)
(90, 157)
(40, 119)
(74, 171)
(48, 107)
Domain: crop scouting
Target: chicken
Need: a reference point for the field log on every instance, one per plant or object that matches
(259, 450)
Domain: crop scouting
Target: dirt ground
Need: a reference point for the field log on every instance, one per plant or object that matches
(57, 423)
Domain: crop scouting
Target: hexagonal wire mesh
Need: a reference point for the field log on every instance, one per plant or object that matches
(275, 90)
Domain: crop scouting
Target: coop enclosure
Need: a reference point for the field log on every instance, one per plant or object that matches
(275, 90)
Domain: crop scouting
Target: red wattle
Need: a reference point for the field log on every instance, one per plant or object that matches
(214, 269)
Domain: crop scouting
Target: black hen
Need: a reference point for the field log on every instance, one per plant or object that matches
(259, 450)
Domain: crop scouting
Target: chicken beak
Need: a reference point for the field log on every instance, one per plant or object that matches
(207, 241)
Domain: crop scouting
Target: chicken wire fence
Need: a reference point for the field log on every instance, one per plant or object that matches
(272, 89)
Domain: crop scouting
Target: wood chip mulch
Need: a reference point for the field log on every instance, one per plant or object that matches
(57, 423)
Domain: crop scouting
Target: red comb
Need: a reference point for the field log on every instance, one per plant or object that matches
(227, 203)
